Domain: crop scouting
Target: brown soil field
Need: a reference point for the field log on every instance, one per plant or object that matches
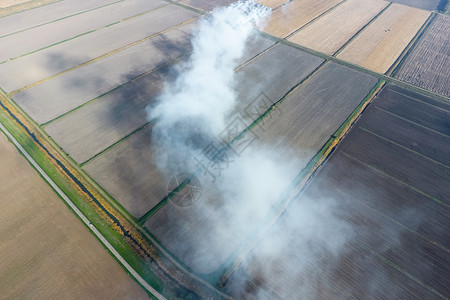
(295, 131)
(54, 97)
(428, 63)
(288, 18)
(284, 67)
(128, 174)
(331, 31)
(46, 252)
(379, 45)
(393, 228)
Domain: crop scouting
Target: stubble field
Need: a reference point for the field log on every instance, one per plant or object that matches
(379, 45)
(290, 17)
(46, 252)
(382, 201)
(331, 31)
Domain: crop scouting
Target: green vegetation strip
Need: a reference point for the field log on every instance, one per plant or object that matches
(126, 241)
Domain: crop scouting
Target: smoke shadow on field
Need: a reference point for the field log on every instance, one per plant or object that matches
(349, 235)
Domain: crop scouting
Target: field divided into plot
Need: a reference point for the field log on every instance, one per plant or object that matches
(147, 189)
(386, 186)
(295, 131)
(96, 126)
(293, 15)
(331, 31)
(379, 45)
(45, 251)
(61, 94)
(48, 13)
(58, 31)
(40, 65)
(206, 5)
(428, 63)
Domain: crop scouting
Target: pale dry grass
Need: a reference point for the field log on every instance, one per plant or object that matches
(331, 31)
(288, 18)
(45, 251)
(382, 42)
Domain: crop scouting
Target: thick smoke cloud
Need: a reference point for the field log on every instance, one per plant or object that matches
(190, 116)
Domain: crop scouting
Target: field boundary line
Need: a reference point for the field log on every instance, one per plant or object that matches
(409, 121)
(100, 57)
(400, 269)
(300, 181)
(398, 181)
(361, 30)
(312, 20)
(411, 45)
(423, 237)
(82, 216)
(403, 147)
(25, 6)
(131, 240)
(66, 17)
(82, 34)
(114, 144)
(418, 100)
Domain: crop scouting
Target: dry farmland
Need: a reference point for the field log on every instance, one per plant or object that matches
(83, 84)
(41, 15)
(290, 17)
(272, 3)
(295, 131)
(128, 173)
(428, 64)
(331, 31)
(133, 191)
(379, 45)
(382, 200)
(206, 5)
(423, 4)
(43, 64)
(45, 250)
(59, 30)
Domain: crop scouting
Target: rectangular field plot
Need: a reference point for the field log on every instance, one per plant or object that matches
(290, 17)
(272, 3)
(423, 4)
(59, 95)
(45, 63)
(46, 252)
(274, 73)
(304, 121)
(370, 224)
(43, 36)
(379, 45)
(96, 126)
(331, 31)
(294, 132)
(46, 14)
(428, 63)
(206, 5)
(128, 174)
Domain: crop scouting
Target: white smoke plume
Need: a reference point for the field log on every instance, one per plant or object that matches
(193, 109)
(190, 114)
